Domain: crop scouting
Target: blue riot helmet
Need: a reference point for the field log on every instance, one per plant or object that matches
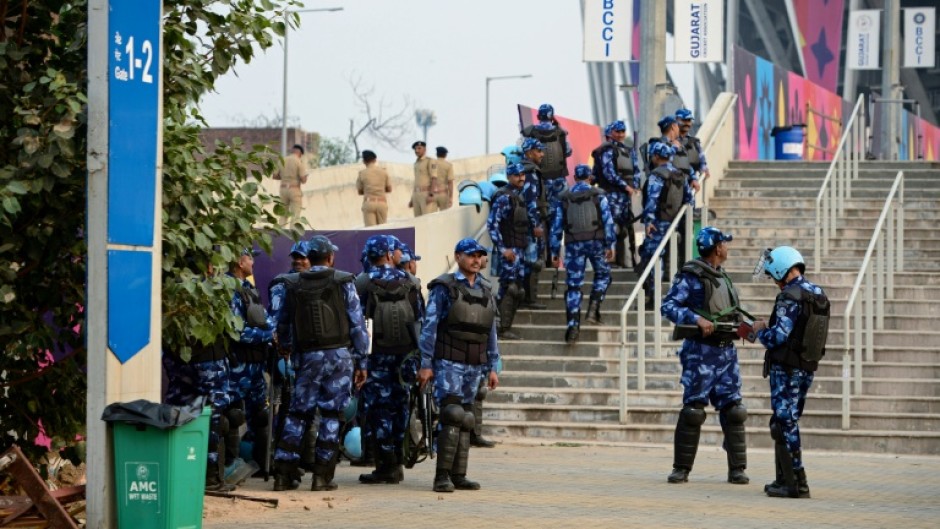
(349, 412)
(546, 112)
(780, 260)
(499, 179)
(470, 194)
(352, 443)
(487, 189)
(512, 154)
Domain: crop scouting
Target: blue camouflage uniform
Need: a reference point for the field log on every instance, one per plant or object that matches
(615, 186)
(246, 376)
(578, 253)
(710, 370)
(324, 377)
(651, 215)
(188, 381)
(788, 385)
(501, 211)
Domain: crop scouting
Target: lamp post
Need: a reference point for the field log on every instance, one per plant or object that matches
(488, 79)
(287, 13)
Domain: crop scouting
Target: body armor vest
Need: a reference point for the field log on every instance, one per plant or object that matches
(806, 344)
(463, 335)
(514, 228)
(391, 305)
(555, 141)
(693, 149)
(255, 316)
(317, 305)
(541, 198)
(583, 218)
(672, 194)
(623, 164)
(721, 299)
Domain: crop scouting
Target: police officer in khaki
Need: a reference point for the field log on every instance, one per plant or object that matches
(422, 199)
(443, 185)
(292, 174)
(373, 183)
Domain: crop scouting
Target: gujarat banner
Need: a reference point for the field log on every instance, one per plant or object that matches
(861, 48)
(699, 31)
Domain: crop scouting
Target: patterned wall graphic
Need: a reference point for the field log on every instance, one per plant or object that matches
(769, 96)
(820, 27)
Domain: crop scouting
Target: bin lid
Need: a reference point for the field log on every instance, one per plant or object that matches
(162, 416)
(786, 128)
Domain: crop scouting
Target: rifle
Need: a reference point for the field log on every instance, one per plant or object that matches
(631, 235)
(732, 330)
(270, 367)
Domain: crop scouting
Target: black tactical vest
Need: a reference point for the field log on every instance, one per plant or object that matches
(670, 198)
(391, 306)
(317, 306)
(255, 316)
(623, 164)
(693, 149)
(554, 164)
(515, 228)
(583, 218)
(806, 344)
(463, 335)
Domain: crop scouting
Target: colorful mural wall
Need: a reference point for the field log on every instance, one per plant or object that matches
(769, 96)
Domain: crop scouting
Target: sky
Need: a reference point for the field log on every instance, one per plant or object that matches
(436, 53)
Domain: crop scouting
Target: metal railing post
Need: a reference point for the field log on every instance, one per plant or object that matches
(889, 248)
(858, 348)
(901, 228)
(846, 395)
(880, 281)
(641, 341)
(657, 300)
(869, 315)
(817, 259)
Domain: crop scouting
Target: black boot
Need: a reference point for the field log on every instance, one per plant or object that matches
(801, 484)
(735, 444)
(594, 310)
(286, 475)
(387, 470)
(323, 471)
(308, 448)
(688, 431)
(458, 473)
(447, 440)
(261, 449)
(507, 311)
(574, 327)
(620, 249)
(788, 487)
(778, 476)
(532, 290)
(215, 473)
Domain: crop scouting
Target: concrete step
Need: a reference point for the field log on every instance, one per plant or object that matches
(736, 223)
(673, 400)
(801, 166)
(758, 418)
(920, 442)
(913, 181)
(787, 192)
(655, 381)
(723, 204)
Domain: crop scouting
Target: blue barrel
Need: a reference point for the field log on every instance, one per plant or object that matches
(788, 142)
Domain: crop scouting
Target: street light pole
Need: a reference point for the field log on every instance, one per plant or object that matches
(287, 13)
(486, 145)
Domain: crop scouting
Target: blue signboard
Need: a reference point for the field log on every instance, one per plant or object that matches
(133, 102)
(130, 285)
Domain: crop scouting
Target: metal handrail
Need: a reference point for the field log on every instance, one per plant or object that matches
(878, 276)
(830, 201)
(711, 141)
(639, 295)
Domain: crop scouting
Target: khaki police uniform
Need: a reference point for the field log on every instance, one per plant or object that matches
(422, 197)
(443, 185)
(292, 174)
(373, 183)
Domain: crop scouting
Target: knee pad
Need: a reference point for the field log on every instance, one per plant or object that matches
(468, 422)
(235, 416)
(482, 391)
(776, 432)
(222, 427)
(735, 413)
(692, 415)
(453, 415)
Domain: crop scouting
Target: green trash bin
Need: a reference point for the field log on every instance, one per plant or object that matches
(160, 475)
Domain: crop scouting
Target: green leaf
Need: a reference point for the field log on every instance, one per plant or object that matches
(17, 187)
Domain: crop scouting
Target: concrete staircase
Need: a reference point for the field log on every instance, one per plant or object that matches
(570, 393)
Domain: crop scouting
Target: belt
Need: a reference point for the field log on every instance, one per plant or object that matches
(283, 184)
(374, 199)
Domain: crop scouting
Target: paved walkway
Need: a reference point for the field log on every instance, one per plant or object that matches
(529, 485)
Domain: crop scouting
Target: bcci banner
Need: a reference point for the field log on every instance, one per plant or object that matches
(699, 31)
(920, 27)
(863, 41)
(608, 30)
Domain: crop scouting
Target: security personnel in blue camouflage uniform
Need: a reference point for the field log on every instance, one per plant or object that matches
(298, 257)
(510, 226)
(702, 295)
(205, 375)
(583, 216)
(671, 128)
(555, 139)
(392, 303)
(692, 146)
(320, 321)
(665, 192)
(795, 340)
(617, 172)
(458, 348)
(249, 359)
(535, 193)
